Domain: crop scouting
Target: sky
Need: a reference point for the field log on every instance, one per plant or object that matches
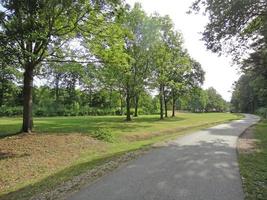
(220, 73)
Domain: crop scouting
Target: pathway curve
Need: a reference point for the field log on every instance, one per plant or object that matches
(199, 166)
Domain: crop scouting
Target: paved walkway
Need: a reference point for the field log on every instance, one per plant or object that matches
(199, 166)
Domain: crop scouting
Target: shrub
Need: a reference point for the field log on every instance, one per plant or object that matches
(10, 111)
(103, 134)
(262, 112)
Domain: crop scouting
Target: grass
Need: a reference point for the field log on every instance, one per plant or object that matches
(253, 166)
(87, 124)
(63, 146)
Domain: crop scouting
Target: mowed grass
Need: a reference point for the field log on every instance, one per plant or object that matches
(88, 124)
(253, 166)
(62, 147)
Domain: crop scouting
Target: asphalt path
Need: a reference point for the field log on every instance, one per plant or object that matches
(199, 166)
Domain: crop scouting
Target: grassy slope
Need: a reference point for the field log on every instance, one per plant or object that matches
(253, 167)
(145, 125)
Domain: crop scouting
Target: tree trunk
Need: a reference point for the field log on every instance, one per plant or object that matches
(27, 100)
(161, 101)
(128, 106)
(173, 104)
(57, 87)
(2, 93)
(110, 98)
(90, 96)
(121, 102)
(136, 105)
(165, 103)
(2, 86)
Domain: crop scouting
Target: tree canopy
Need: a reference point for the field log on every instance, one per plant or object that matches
(92, 57)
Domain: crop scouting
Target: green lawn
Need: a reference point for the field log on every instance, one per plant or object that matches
(63, 148)
(116, 124)
(253, 166)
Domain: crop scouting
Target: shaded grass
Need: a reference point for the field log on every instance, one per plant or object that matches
(253, 166)
(87, 124)
(145, 125)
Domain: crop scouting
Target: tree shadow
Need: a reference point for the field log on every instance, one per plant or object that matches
(86, 125)
(205, 170)
(8, 155)
(234, 128)
(51, 182)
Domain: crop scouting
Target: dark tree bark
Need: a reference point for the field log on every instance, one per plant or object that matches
(110, 97)
(161, 101)
(121, 101)
(90, 96)
(2, 87)
(2, 84)
(165, 103)
(136, 101)
(27, 99)
(173, 104)
(128, 104)
(1, 95)
(57, 77)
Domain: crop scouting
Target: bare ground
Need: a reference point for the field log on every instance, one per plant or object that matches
(34, 156)
(246, 143)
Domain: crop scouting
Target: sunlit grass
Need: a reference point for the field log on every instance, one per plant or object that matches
(65, 142)
(253, 166)
(87, 124)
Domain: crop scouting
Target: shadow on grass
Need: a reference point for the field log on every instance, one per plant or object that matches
(86, 124)
(51, 182)
(8, 155)
(8, 134)
(89, 124)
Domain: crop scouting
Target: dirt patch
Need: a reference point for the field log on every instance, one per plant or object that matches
(35, 156)
(246, 143)
(85, 179)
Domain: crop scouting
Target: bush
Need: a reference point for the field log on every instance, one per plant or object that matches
(262, 112)
(103, 134)
(10, 111)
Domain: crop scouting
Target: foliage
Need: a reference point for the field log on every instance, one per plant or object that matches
(239, 28)
(208, 100)
(103, 134)
(36, 32)
(10, 111)
(102, 58)
(233, 24)
(262, 112)
(249, 93)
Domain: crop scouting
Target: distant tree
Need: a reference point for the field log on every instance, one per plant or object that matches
(249, 93)
(198, 100)
(215, 102)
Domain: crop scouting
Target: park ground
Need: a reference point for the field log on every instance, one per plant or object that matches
(63, 147)
(252, 148)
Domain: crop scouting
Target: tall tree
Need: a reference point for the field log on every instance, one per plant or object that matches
(35, 30)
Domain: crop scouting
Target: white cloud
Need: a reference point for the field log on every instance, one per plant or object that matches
(219, 72)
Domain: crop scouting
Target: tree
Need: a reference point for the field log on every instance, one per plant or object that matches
(198, 100)
(215, 101)
(34, 30)
(236, 21)
(161, 54)
(249, 93)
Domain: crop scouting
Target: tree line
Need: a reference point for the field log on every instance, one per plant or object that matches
(94, 57)
(239, 28)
